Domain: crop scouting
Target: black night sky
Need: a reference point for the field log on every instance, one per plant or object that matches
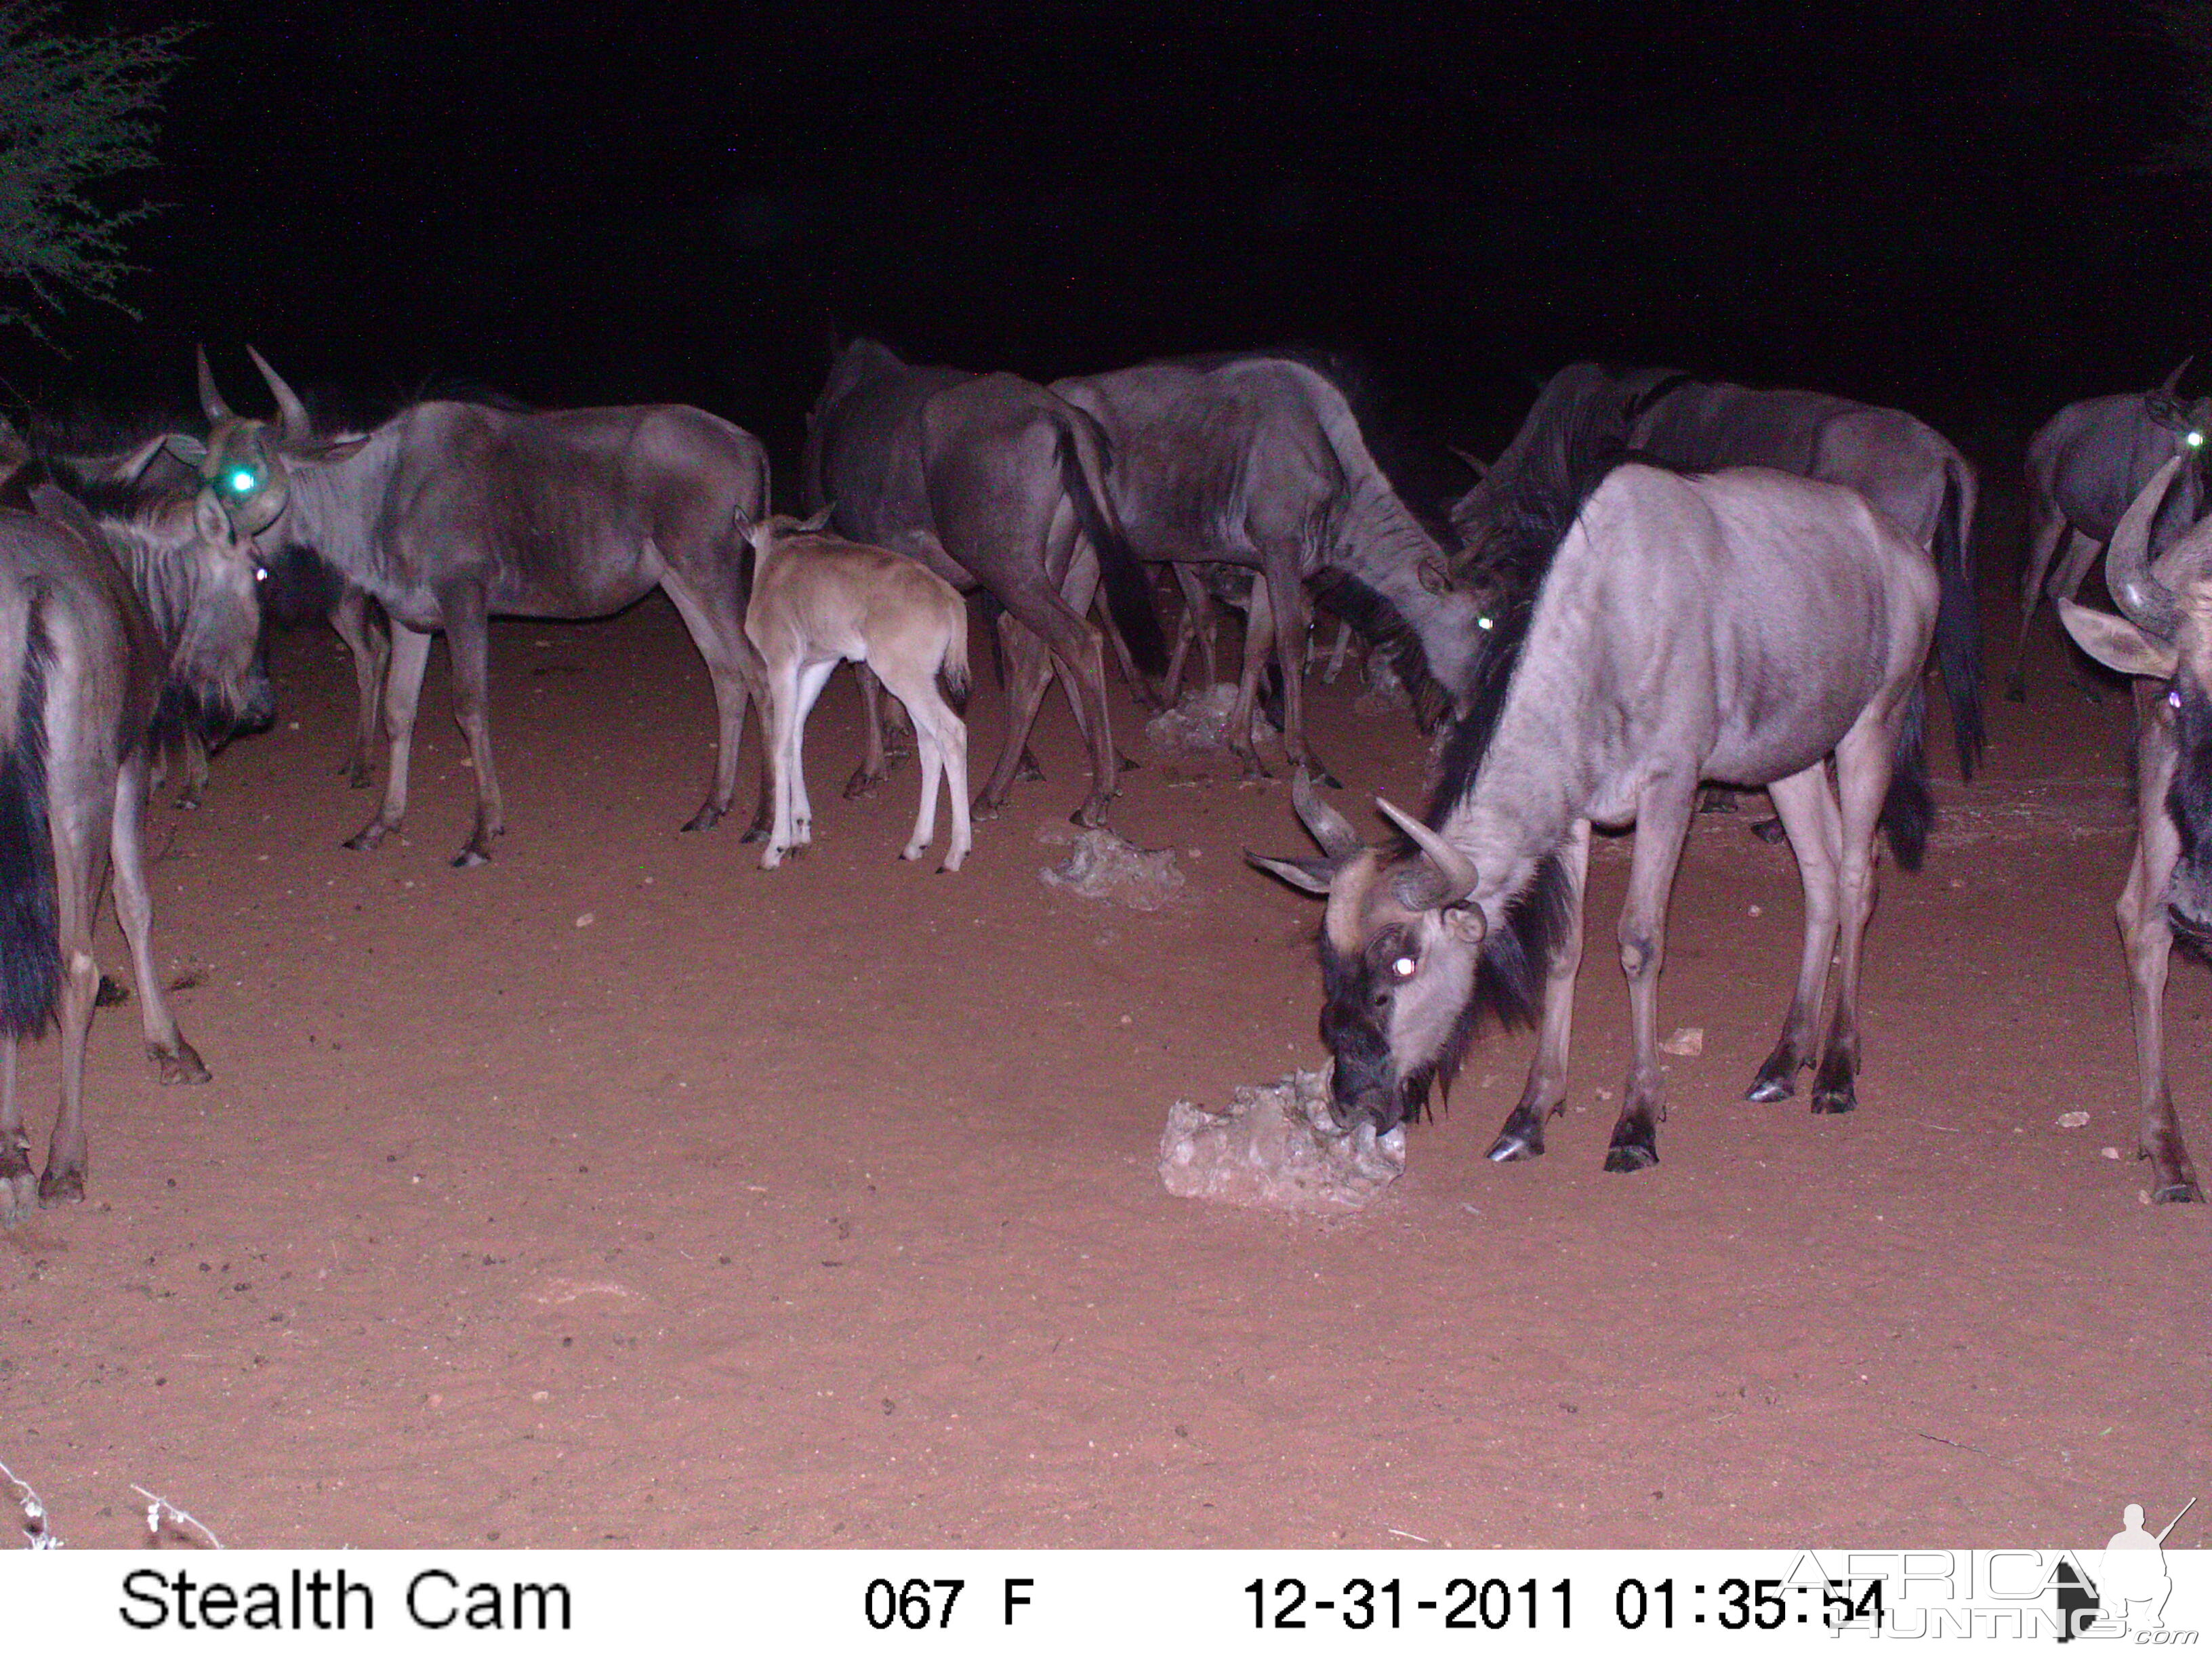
(1949, 207)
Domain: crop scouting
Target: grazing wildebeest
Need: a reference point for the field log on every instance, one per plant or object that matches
(1260, 461)
(98, 642)
(2162, 640)
(2087, 463)
(819, 601)
(1898, 463)
(1740, 626)
(986, 479)
(449, 514)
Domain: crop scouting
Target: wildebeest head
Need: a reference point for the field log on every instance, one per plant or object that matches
(1401, 948)
(2164, 635)
(217, 659)
(244, 461)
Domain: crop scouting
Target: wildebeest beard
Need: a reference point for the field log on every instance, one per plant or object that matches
(1507, 990)
(2189, 803)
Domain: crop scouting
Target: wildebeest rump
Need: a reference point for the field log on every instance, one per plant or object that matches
(1739, 627)
(87, 665)
(1896, 461)
(1260, 461)
(2163, 639)
(987, 479)
(2085, 467)
(449, 514)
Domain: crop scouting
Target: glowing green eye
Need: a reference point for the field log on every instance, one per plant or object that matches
(2196, 440)
(241, 481)
(1485, 623)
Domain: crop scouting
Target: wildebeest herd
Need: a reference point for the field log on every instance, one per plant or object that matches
(1661, 584)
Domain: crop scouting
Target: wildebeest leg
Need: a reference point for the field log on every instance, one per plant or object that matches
(371, 651)
(942, 740)
(1200, 621)
(1029, 677)
(1808, 810)
(1259, 646)
(134, 907)
(196, 767)
(1337, 653)
(1546, 1093)
(782, 674)
(1863, 770)
(403, 691)
(1662, 820)
(468, 640)
(80, 867)
(19, 1185)
(1140, 688)
(811, 678)
(1287, 599)
(717, 628)
(875, 764)
(2148, 941)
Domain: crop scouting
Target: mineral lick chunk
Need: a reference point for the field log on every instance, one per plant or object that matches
(1105, 866)
(1276, 1148)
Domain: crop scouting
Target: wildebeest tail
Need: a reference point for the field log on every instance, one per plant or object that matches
(1958, 623)
(952, 679)
(30, 948)
(1128, 595)
(1908, 810)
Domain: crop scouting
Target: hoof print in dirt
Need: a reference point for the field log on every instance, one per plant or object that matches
(1277, 1148)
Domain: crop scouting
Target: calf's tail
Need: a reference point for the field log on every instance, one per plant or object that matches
(1908, 810)
(30, 947)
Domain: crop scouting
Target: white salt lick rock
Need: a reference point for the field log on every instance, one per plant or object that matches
(1277, 1148)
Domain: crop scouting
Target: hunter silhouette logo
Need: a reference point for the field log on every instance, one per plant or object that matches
(2128, 1594)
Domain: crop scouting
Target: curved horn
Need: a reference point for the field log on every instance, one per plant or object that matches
(212, 403)
(1455, 867)
(294, 413)
(2142, 599)
(1328, 826)
(2175, 379)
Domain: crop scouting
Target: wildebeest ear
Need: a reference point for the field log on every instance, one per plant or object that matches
(2118, 643)
(56, 506)
(1465, 923)
(185, 447)
(1307, 875)
(210, 520)
(815, 526)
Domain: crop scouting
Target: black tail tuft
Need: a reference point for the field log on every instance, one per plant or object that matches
(1959, 626)
(1128, 595)
(955, 685)
(30, 947)
(1908, 810)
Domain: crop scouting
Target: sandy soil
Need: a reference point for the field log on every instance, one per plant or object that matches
(623, 1193)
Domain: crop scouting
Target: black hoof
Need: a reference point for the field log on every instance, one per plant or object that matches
(2181, 1192)
(1629, 1158)
(112, 993)
(1321, 776)
(862, 783)
(67, 1188)
(1766, 1091)
(1770, 831)
(704, 818)
(1828, 1099)
(1718, 801)
(367, 841)
(1123, 762)
(1515, 1146)
(1029, 771)
(469, 858)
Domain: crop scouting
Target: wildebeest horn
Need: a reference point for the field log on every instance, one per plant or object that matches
(2175, 379)
(1454, 867)
(212, 403)
(1323, 822)
(2142, 599)
(294, 413)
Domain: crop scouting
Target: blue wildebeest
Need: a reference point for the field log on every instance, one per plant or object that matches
(986, 479)
(2085, 464)
(2162, 640)
(1259, 461)
(819, 601)
(1896, 461)
(449, 514)
(1656, 629)
(106, 629)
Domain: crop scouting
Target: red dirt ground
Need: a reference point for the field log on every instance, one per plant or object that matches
(621, 1192)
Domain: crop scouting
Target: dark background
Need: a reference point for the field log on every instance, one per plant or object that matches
(1953, 208)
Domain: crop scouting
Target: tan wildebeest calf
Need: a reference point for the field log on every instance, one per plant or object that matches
(819, 601)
